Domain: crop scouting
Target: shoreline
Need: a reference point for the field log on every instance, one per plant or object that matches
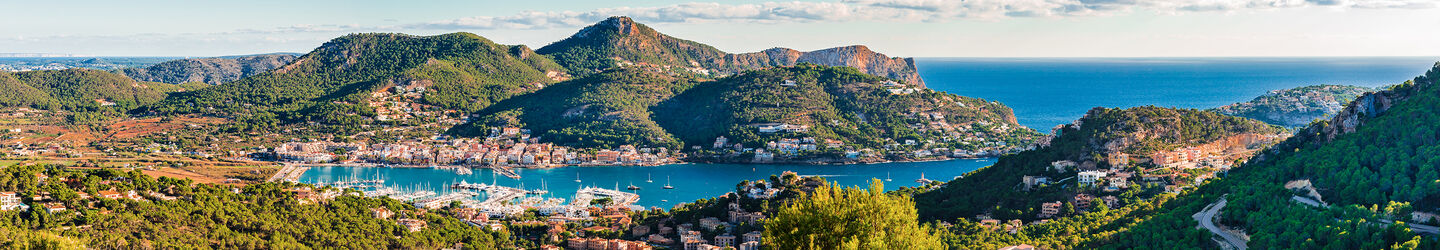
(811, 163)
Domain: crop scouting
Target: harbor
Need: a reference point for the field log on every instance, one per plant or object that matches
(660, 186)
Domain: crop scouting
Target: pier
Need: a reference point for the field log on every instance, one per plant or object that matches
(288, 172)
(585, 195)
(506, 171)
(444, 200)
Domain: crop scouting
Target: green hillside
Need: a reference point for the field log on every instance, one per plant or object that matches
(80, 90)
(209, 216)
(331, 85)
(836, 103)
(598, 47)
(1102, 132)
(606, 110)
(643, 107)
(1384, 169)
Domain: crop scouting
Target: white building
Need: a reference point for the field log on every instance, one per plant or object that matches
(1089, 177)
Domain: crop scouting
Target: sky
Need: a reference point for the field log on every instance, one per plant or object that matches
(907, 28)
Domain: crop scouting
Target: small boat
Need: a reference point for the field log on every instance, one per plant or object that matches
(632, 187)
(647, 179)
(887, 176)
(577, 177)
(667, 183)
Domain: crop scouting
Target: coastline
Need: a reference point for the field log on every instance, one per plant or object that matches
(806, 162)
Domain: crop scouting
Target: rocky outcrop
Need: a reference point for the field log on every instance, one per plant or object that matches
(1372, 104)
(214, 71)
(855, 56)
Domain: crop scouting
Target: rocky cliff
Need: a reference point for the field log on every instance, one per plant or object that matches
(1368, 106)
(855, 56)
(208, 70)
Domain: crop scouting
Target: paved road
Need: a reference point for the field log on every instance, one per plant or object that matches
(1418, 228)
(1207, 220)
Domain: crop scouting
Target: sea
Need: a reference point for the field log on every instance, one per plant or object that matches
(1043, 92)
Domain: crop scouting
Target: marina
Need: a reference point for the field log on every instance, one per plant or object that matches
(498, 192)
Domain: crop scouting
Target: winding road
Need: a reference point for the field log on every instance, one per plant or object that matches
(1207, 220)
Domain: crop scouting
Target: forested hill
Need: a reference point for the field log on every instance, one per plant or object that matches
(605, 110)
(621, 41)
(1099, 140)
(79, 90)
(213, 71)
(647, 107)
(1296, 107)
(1372, 163)
(838, 103)
(333, 84)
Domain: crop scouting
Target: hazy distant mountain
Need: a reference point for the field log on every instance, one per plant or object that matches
(621, 41)
(214, 70)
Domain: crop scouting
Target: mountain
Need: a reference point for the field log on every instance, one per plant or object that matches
(1296, 107)
(359, 79)
(79, 90)
(839, 103)
(621, 41)
(208, 70)
(647, 107)
(606, 110)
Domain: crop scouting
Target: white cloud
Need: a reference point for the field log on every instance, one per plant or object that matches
(888, 10)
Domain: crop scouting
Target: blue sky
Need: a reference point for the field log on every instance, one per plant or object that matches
(910, 28)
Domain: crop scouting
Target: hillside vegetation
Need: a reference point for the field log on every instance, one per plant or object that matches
(331, 85)
(1372, 164)
(605, 110)
(85, 95)
(836, 103)
(267, 215)
(1101, 132)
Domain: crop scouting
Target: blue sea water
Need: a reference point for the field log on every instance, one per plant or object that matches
(691, 181)
(1045, 92)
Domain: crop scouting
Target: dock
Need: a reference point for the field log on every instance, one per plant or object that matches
(444, 200)
(506, 171)
(288, 172)
(585, 195)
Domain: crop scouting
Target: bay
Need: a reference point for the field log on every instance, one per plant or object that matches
(691, 181)
(1043, 92)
